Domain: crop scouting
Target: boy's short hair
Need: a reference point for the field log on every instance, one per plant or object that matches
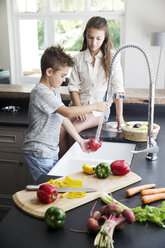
(54, 57)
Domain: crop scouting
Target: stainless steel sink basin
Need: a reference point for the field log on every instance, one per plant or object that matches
(74, 158)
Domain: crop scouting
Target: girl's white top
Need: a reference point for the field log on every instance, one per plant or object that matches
(90, 81)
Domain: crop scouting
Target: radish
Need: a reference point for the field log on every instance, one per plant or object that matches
(112, 208)
(102, 219)
(92, 225)
(96, 215)
(102, 209)
(120, 226)
(129, 216)
(116, 219)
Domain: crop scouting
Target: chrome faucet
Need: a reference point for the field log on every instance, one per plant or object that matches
(152, 149)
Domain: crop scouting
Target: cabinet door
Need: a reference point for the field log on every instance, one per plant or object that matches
(11, 137)
(14, 174)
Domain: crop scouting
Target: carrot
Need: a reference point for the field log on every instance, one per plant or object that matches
(151, 198)
(134, 190)
(152, 191)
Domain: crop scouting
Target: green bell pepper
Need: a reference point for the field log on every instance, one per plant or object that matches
(103, 170)
(55, 217)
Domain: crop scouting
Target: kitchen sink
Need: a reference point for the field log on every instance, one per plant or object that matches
(74, 158)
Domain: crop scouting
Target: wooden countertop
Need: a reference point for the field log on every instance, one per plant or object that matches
(131, 95)
(23, 91)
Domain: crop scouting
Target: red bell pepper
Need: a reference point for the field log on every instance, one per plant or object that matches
(47, 193)
(120, 167)
(94, 144)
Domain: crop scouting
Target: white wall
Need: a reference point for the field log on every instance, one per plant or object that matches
(142, 18)
(4, 38)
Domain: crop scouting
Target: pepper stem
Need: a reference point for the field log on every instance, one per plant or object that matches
(53, 196)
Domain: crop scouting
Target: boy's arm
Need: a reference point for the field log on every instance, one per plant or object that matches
(67, 124)
(81, 110)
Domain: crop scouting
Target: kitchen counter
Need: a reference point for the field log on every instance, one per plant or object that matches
(20, 118)
(133, 95)
(19, 230)
(23, 91)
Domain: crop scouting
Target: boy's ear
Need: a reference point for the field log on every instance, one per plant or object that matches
(49, 71)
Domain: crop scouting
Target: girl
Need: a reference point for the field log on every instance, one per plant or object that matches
(88, 80)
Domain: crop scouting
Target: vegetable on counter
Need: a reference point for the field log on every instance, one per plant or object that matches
(89, 168)
(152, 191)
(94, 144)
(75, 194)
(47, 193)
(103, 170)
(137, 189)
(105, 221)
(55, 217)
(68, 182)
(120, 167)
(148, 195)
(152, 214)
(151, 198)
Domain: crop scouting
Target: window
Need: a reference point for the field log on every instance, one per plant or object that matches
(37, 24)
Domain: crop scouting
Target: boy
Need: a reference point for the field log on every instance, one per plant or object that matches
(47, 113)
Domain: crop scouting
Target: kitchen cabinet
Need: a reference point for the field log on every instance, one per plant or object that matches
(14, 174)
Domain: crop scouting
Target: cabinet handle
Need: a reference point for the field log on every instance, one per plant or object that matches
(12, 161)
(8, 139)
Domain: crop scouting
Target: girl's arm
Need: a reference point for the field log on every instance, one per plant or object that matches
(119, 112)
(117, 88)
(67, 124)
(75, 97)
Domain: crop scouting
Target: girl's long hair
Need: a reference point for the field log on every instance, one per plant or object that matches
(100, 23)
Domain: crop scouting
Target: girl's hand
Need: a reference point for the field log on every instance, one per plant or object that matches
(120, 121)
(82, 117)
(84, 144)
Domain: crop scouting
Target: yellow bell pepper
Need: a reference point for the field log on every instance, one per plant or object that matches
(89, 168)
(68, 182)
(72, 195)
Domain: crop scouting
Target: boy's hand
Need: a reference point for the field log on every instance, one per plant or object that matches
(84, 144)
(102, 106)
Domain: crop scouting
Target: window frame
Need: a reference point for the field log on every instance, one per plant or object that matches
(48, 16)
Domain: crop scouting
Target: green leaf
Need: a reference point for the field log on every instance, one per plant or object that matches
(152, 214)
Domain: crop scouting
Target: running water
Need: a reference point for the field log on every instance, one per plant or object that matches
(99, 126)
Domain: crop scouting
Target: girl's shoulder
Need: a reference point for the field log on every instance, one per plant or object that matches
(117, 59)
(79, 54)
(112, 52)
(79, 57)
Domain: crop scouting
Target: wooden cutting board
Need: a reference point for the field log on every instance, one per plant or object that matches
(29, 203)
